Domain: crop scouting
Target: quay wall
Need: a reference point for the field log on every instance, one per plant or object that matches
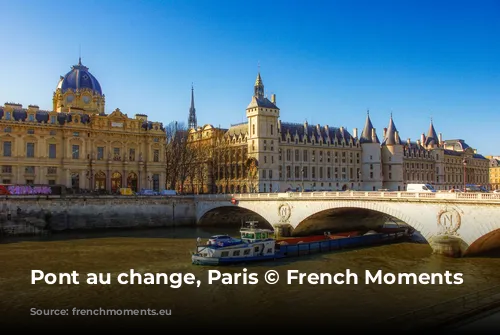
(64, 213)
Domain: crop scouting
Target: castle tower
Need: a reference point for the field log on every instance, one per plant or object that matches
(370, 158)
(263, 115)
(392, 159)
(78, 91)
(192, 112)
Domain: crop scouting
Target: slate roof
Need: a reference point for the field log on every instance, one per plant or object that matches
(62, 118)
(310, 132)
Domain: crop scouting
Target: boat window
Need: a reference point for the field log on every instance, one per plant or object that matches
(258, 235)
(236, 253)
(224, 254)
(270, 250)
(246, 252)
(256, 249)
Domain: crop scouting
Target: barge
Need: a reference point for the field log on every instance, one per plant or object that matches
(257, 244)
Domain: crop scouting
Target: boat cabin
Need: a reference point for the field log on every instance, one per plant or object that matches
(252, 234)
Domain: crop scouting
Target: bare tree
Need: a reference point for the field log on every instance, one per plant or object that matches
(179, 156)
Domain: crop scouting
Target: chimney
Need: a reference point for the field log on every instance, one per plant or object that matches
(418, 142)
(408, 141)
(279, 126)
(396, 136)
(273, 98)
(440, 138)
(355, 133)
(385, 132)
(422, 138)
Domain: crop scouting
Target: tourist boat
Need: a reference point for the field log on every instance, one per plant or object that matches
(257, 244)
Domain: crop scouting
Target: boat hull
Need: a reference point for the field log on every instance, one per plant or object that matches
(200, 260)
(295, 247)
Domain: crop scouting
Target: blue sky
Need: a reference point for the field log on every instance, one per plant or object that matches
(327, 61)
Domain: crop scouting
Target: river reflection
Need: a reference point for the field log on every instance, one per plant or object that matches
(168, 250)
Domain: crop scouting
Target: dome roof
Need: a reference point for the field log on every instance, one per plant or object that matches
(79, 78)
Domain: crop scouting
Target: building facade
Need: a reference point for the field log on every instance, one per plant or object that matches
(265, 154)
(79, 146)
(494, 172)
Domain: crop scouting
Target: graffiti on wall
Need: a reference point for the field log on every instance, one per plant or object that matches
(25, 190)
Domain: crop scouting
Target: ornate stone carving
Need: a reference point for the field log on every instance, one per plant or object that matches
(284, 212)
(449, 221)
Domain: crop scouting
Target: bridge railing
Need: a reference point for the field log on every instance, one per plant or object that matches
(489, 197)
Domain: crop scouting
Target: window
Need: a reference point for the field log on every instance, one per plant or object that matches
(270, 174)
(100, 153)
(31, 131)
(29, 181)
(30, 150)
(5, 181)
(75, 151)
(52, 151)
(246, 252)
(271, 129)
(236, 253)
(224, 254)
(131, 155)
(53, 119)
(7, 169)
(52, 170)
(8, 129)
(8, 116)
(76, 134)
(52, 132)
(156, 155)
(31, 117)
(156, 182)
(29, 169)
(52, 182)
(116, 154)
(7, 149)
(253, 129)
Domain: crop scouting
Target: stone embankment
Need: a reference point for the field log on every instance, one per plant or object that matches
(32, 214)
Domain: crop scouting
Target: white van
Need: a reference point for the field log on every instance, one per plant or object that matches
(420, 188)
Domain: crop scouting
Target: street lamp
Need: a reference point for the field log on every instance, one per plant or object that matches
(465, 173)
(90, 172)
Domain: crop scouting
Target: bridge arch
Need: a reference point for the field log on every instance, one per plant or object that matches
(230, 215)
(484, 243)
(379, 210)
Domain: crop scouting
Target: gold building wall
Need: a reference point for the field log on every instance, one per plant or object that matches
(107, 152)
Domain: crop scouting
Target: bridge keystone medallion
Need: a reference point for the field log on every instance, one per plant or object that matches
(284, 212)
(449, 222)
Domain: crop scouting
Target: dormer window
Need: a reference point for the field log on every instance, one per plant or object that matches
(53, 119)
(76, 120)
(8, 116)
(31, 117)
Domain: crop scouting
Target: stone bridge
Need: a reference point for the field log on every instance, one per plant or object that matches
(452, 223)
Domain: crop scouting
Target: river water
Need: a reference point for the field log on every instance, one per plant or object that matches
(168, 251)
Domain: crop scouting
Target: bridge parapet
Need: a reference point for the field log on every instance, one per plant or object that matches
(371, 195)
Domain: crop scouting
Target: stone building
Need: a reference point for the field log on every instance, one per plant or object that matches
(265, 154)
(494, 172)
(79, 146)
